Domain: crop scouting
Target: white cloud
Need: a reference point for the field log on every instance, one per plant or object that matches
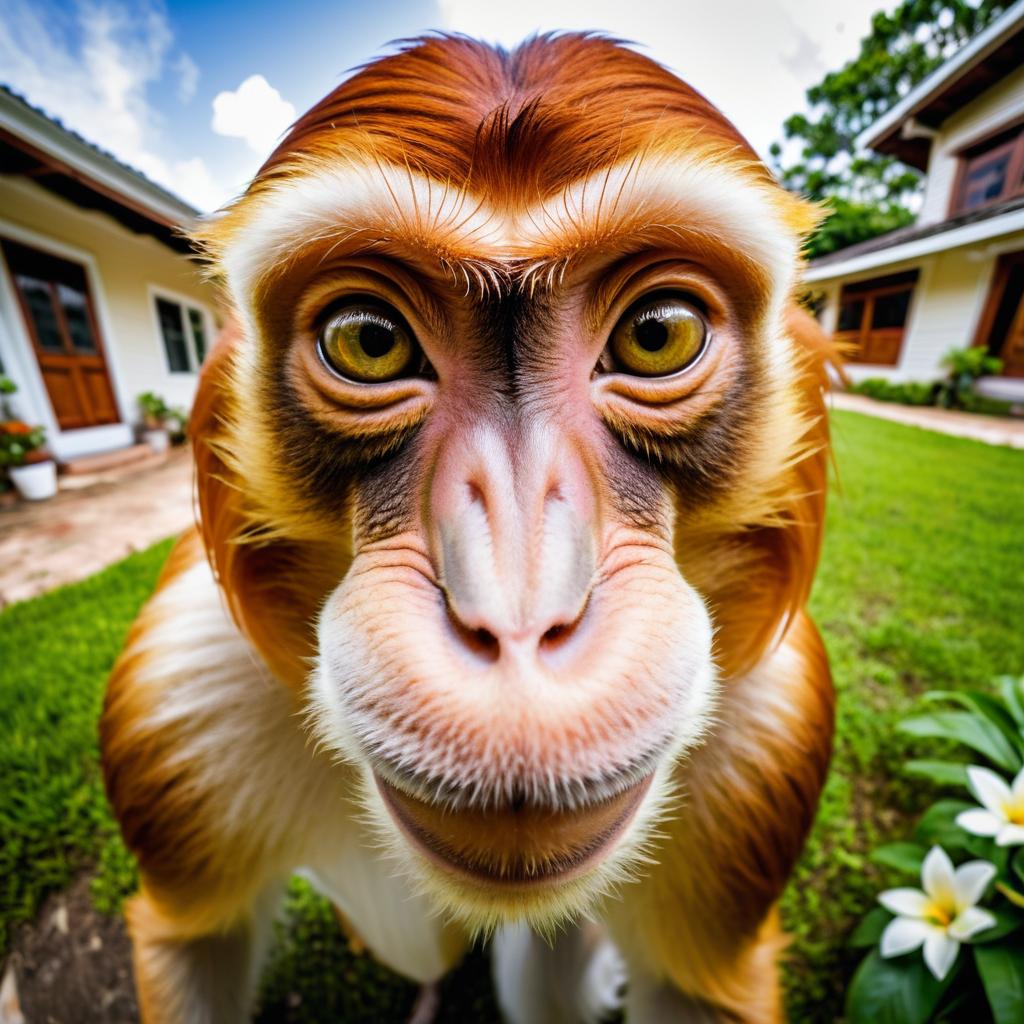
(188, 77)
(753, 60)
(99, 87)
(255, 111)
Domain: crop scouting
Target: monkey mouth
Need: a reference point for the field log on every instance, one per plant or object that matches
(516, 844)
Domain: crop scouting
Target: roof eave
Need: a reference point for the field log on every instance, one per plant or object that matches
(884, 135)
(45, 135)
(965, 234)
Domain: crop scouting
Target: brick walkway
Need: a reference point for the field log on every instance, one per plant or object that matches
(989, 429)
(82, 530)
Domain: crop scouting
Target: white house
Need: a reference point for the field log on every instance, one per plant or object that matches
(99, 298)
(955, 277)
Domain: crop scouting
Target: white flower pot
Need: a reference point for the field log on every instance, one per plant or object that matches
(36, 481)
(158, 440)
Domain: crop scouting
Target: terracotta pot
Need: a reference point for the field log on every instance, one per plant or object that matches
(35, 481)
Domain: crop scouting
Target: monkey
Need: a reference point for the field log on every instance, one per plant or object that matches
(510, 472)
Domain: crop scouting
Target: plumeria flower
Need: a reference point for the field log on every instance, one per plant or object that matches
(941, 917)
(1002, 811)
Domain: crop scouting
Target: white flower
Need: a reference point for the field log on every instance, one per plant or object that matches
(942, 916)
(1002, 813)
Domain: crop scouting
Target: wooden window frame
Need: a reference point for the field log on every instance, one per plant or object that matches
(864, 341)
(982, 149)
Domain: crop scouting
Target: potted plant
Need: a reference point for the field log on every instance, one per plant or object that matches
(30, 469)
(155, 414)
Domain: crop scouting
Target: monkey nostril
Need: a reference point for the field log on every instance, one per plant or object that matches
(558, 635)
(555, 633)
(485, 640)
(479, 641)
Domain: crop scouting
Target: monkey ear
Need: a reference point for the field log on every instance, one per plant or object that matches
(256, 577)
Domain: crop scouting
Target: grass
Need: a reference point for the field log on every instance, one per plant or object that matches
(920, 587)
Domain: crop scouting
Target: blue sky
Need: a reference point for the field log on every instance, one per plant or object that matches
(195, 94)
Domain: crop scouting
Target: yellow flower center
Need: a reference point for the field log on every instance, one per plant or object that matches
(938, 914)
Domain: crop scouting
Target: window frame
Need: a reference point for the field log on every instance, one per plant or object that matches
(859, 341)
(985, 147)
(184, 303)
(67, 346)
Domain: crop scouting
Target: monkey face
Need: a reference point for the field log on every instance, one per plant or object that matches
(511, 434)
(513, 653)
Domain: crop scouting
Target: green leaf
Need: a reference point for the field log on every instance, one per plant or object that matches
(1001, 966)
(1018, 864)
(1012, 690)
(984, 704)
(897, 991)
(971, 729)
(943, 773)
(938, 826)
(905, 857)
(869, 931)
(985, 848)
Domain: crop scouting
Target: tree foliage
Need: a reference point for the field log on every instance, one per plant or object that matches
(868, 193)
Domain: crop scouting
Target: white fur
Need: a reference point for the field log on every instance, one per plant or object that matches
(576, 978)
(687, 191)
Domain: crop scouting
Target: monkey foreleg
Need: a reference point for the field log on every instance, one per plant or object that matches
(208, 978)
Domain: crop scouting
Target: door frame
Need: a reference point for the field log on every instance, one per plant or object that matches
(41, 354)
(993, 297)
(22, 366)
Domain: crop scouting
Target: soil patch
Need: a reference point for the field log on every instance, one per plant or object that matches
(72, 964)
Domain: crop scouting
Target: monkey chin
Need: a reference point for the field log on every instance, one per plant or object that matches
(544, 865)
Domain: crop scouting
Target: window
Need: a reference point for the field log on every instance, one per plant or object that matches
(55, 298)
(183, 329)
(991, 172)
(873, 316)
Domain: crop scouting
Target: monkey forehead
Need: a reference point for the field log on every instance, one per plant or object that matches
(675, 193)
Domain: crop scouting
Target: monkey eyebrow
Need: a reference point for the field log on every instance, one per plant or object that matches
(372, 205)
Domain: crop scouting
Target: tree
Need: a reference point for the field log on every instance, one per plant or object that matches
(868, 193)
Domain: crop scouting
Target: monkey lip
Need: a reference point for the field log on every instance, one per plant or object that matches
(512, 846)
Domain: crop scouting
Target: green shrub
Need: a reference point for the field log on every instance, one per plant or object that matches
(964, 366)
(913, 393)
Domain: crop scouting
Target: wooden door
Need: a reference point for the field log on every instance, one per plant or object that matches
(1012, 352)
(1001, 329)
(58, 312)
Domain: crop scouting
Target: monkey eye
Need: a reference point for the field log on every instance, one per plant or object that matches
(367, 341)
(658, 336)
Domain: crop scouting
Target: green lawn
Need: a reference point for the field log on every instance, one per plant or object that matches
(920, 587)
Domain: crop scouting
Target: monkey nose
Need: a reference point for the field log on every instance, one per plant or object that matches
(489, 636)
(514, 544)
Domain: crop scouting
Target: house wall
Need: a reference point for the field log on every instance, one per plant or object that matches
(944, 312)
(997, 107)
(123, 270)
